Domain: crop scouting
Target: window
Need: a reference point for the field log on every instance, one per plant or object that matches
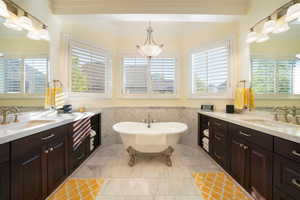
(154, 77)
(89, 69)
(275, 76)
(210, 69)
(23, 75)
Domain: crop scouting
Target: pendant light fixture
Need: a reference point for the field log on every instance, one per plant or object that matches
(286, 13)
(3, 9)
(25, 22)
(269, 26)
(252, 36)
(12, 23)
(34, 34)
(150, 48)
(44, 33)
(262, 38)
(293, 12)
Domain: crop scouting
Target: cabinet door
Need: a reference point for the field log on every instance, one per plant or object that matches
(261, 168)
(4, 181)
(57, 159)
(281, 196)
(239, 161)
(28, 177)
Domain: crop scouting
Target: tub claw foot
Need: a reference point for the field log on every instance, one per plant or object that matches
(132, 154)
(168, 153)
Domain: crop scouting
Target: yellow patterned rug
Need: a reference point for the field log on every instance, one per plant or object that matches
(78, 189)
(218, 186)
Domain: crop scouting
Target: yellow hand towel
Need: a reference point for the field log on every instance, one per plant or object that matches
(251, 104)
(58, 97)
(239, 101)
(49, 97)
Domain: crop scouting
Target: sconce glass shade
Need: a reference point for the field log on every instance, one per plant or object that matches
(3, 9)
(34, 35)
(13, 23)
(251, 37)
(293, 12)
(1, 54)
(26, 23)
(262, 38)
(298, 56)
(44, 34)
(281, 26)
(269, 26)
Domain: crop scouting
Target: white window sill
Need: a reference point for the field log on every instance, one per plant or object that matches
(266, 97)
(211, 96)
(89, 96)
(20, 96)
(162, 97)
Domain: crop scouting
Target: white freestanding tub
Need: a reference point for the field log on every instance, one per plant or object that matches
(155, 139)
(160, 138)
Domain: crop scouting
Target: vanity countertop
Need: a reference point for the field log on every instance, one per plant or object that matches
(14, 131)
(261, 122)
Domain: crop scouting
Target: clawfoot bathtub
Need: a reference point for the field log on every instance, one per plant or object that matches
(159, 139)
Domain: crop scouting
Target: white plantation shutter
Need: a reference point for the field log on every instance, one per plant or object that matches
(163, 75)
(156, 76)
(35, 75)
(210, 69)
(135, 75)
(89, 69)
(275, 76)
(11, 73)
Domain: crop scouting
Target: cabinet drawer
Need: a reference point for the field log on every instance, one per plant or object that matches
(287, 176)
(258, 138)
(287, 149)
(4, 152)
(220, 155)
(218, 124)
(34, 142)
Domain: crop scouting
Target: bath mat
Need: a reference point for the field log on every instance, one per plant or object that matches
(78, 189)
(218, 186)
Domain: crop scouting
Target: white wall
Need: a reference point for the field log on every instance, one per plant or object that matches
(179, 39)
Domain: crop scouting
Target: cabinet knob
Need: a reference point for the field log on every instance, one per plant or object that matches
(296, 153)
(245, 147)
(46, 151)
(296, 183)
(51, 149)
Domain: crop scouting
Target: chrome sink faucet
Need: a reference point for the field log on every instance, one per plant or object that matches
(277, 111)
(148, 121)
(5, 111)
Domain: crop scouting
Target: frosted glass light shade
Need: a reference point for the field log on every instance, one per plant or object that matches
(25, 23)
(281, 28)
(251, 37)
(3, 9)
(262, 38)
(44, 34)
(1, 54)
(34, 35)
(150, 50)
(298, 56)
(269, 27)
(13, 23)
(293, 12)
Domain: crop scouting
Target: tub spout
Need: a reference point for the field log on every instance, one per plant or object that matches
(148, 121)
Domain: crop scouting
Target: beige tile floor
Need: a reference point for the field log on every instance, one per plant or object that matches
(150, 178)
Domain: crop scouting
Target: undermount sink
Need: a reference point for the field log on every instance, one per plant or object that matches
(37, 122)
(270, 123)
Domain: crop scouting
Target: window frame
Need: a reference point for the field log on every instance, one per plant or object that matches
(150, 94)
(108, 72)
(275, 95)
(22, 94)
(230, 79)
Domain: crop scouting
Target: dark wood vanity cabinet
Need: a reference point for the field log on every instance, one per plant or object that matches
(246, 154)
(39, 164)
(251, 164)
(219, 142)
(4, 172)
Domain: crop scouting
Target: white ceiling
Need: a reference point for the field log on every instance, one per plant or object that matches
(203, 7)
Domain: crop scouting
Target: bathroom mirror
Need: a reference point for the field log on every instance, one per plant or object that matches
(24, 68)
(275, 65)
